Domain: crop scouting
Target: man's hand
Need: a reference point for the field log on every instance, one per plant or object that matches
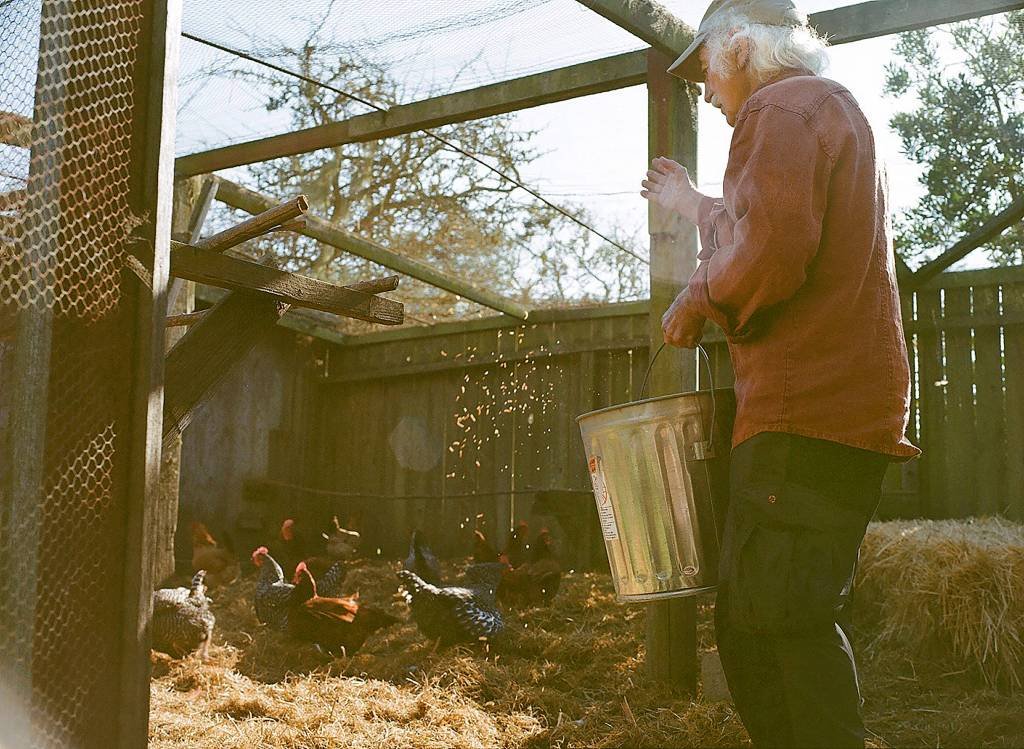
(682, 324)
(668, 184)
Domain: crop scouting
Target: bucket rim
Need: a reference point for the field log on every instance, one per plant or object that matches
(609, 409)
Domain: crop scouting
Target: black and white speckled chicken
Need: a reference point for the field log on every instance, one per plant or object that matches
(182, 620)
(273, 592)
(453, 613)
(422, 560)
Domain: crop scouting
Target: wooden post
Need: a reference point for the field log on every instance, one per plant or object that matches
(190, 196)
(155, 84)
(672, 132)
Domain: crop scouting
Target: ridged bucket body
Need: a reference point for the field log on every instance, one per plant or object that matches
(660, 478)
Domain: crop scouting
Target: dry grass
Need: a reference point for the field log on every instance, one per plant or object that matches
(950, 592)
(568, 676)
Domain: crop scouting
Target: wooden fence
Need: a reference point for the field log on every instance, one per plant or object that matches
(427, 427)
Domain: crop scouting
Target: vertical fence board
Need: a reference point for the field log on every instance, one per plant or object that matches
(933, 404)
(988, 448)
(1013, 342)
(960, 469)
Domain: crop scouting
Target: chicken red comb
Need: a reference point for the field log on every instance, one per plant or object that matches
(299, 569)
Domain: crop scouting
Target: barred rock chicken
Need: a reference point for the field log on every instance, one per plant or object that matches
(273, 593)
(535, 582)
(456, 614)
(422, 560)
(182, 620)
(222, 568)
(337, 625)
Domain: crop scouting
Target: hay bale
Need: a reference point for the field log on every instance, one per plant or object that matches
(949, 592)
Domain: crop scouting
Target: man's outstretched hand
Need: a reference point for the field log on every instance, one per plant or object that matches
(668, 185)
(682, 325)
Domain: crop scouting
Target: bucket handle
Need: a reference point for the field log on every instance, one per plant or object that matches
(702, 450)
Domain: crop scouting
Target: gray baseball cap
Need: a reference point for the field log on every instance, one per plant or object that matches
(767, 12)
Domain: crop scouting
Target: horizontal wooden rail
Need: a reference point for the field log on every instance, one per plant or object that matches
(206, 266)
(608, 74)
(490, 360)
(326, 232)
(854, 23)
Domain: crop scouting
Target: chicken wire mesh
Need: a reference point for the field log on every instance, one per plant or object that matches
(68, 94)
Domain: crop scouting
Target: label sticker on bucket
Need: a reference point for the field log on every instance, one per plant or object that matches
(604, 501)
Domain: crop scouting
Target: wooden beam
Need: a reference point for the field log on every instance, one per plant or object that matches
(256, 226)
(209, 351)
(326, 232)
(608, 74)
(647, 20)
(153, 132)
(854, 23)
(672, 132)
(210, 267)
(201, 208)
(185, 319)
(984, 233)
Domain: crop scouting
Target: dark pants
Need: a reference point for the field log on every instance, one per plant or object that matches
(798, 511)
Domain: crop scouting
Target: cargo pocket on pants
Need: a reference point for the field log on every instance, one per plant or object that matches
(788, 575)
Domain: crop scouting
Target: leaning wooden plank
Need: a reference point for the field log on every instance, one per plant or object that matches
(853, 23)
(185, 319)
(15, 130)
(375, 285)
(323, 231)
(210, 349)
(984, 233)
(257, 226)
(310, 322)
(608, 74)
(647, 20)
(206, 266)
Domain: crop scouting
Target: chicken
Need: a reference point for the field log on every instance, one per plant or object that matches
(338, 625)
(422, 560)
(182, 620)
(536, 581)
(516, 546)
(221, 566)
(331, 580)
(456, 614)
(483, 550)
(318, 552)
(273, 593)
(342, 543)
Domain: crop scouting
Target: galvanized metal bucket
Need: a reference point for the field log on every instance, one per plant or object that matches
(660, 472)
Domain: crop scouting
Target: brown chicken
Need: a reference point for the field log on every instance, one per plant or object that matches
(319, 552)
(222, 568)
(336, 625)
(483, 550)
(535, 582)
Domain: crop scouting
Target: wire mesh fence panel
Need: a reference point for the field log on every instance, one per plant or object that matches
(68, 101)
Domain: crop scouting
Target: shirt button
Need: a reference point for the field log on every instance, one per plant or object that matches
(771, 499)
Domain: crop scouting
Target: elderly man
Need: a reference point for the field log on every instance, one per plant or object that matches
(797, 268)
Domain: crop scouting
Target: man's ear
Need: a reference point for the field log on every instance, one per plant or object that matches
(741, 52)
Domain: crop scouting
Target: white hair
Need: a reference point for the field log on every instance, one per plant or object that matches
(773, 49)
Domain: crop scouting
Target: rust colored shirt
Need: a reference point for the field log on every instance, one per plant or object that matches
(797, 268)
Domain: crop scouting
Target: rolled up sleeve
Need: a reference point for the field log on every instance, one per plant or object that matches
(777, 189)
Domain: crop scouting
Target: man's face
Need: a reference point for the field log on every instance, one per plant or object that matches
(727, 92)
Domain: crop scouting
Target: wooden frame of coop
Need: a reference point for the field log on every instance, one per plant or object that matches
(162, 392)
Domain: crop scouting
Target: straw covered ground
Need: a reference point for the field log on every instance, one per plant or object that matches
(571, 675)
